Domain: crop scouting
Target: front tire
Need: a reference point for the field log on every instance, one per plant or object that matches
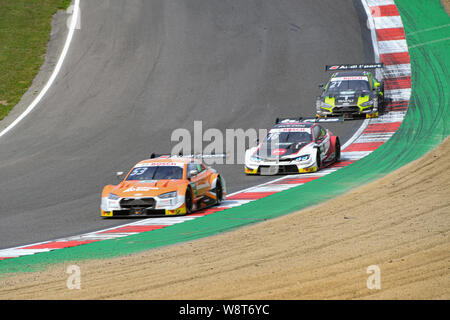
(337, 150)
(381, 100)
(219, 191)
(188, 202)
(318, 161)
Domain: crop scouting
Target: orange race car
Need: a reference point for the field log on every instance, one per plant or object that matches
(164, 185)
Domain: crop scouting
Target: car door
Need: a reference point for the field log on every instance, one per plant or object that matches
(376, 86)
(326, 140)
(322, 139)
(199, 182)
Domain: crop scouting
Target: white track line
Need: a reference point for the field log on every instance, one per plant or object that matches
(55, 72)
(373, 32)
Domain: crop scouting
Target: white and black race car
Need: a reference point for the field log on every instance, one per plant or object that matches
(293, 146)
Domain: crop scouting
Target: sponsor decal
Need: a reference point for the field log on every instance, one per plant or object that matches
(160, 164)
(354, 66)
(278, 152)
(247, 170)
(202, 186)
(350, 78)
(137, 189)
(308, 130)
(181, 210)
(107, 213)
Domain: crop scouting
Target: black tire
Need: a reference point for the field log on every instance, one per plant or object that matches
(219, 191)
(337, 151)
(318, 161)
(381, 100)
(188, 200)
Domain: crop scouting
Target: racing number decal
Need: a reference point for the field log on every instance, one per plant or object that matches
(138, 171)
(335, 84)
(199, 182)
(323, 140)
(202, 183)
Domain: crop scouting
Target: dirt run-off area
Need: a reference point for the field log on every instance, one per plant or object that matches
(399, 223)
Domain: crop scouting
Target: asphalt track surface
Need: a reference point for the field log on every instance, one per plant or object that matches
(137, 70)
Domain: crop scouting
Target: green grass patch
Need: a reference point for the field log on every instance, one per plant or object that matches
(25, 27)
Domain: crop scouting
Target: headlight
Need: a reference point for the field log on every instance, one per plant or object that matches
(255, 158)
(326, 106)
(167, 195)
(112, 196)
(367, 104)
(303, 158)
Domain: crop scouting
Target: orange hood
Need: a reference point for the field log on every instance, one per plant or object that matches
(147, 189)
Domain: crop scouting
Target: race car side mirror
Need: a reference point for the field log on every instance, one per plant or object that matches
(119, 174)
(193, 173)
(320, 85)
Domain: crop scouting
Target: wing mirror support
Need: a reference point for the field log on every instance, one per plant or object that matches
(119, 175)
(193, 173)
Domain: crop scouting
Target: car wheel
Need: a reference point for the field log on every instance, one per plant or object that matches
(337, 150)
(188, 201)
(318, 161)
(381, 101)
(219, 191)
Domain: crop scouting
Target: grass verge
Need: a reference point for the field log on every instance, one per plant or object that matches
(25, 27)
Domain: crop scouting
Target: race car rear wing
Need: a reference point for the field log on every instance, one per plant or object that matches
(315, 120)
(339, 67)
(205, 156)
(337, 119)
(196, 156)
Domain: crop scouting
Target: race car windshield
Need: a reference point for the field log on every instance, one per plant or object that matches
(351, 86)
(156, 173)
(287, 138)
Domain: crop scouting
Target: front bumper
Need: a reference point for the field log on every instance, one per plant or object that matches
(143, 207)
(348, 112)
(281, 167)
(143, 212)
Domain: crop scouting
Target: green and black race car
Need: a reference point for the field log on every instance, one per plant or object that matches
(351, 93)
